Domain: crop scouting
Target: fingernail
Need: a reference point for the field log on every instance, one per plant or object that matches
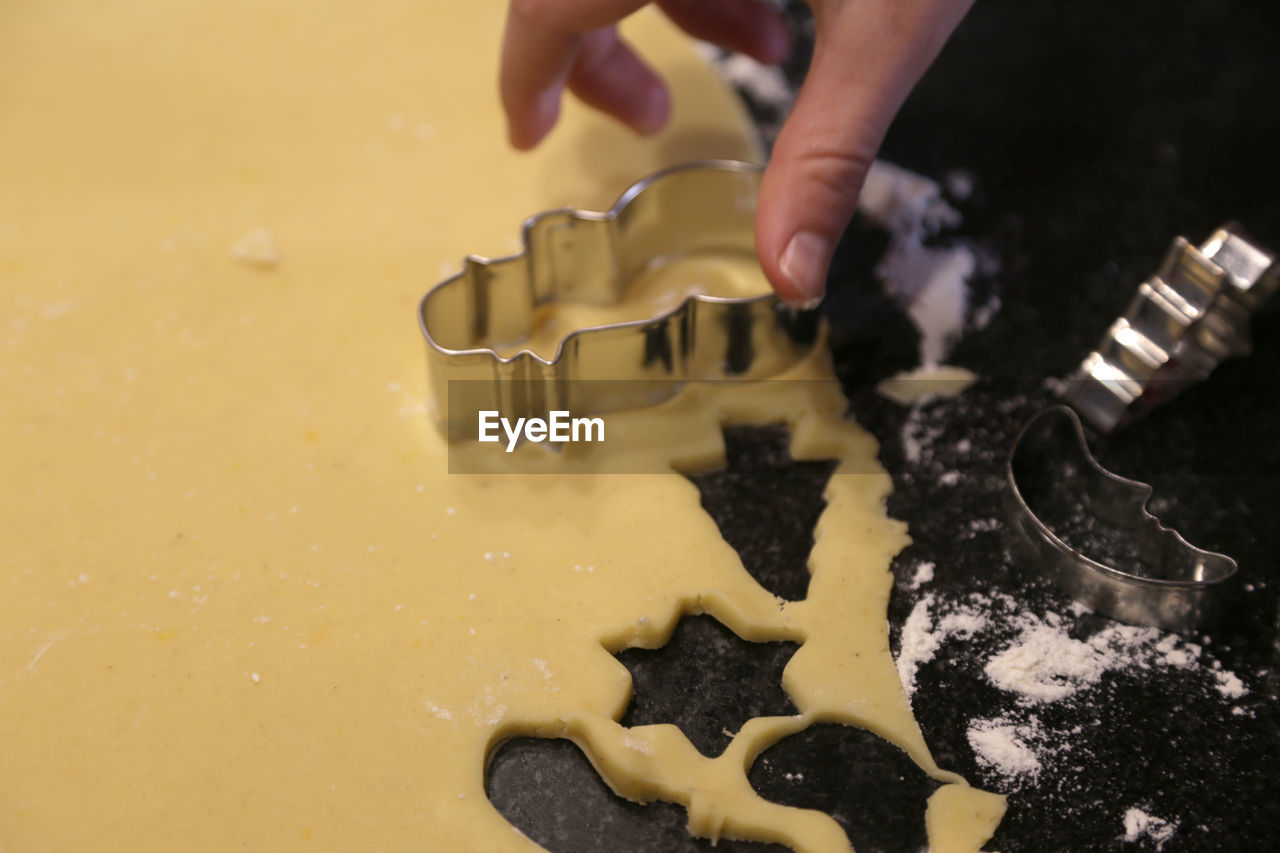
(804, 263)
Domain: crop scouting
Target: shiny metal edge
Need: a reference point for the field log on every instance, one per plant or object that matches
(446, 362)
(1183, 322)
(1174, 604)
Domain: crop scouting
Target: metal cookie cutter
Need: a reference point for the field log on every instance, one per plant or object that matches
(1156, 577)
(586, 256)
(1185, 320)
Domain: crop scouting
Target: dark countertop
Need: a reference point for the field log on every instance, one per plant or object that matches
(1093, 134)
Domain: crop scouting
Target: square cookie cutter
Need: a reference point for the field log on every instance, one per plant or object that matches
(701, 208)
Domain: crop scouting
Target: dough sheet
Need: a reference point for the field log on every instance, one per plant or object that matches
(242, 602)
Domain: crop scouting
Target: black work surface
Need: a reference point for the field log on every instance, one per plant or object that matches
(1093, 134)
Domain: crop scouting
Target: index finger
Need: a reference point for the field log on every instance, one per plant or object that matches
(539, 45)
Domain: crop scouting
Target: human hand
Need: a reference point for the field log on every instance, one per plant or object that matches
(868, 54)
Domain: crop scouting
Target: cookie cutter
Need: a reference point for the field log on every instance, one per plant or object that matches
(1164, 580)
(1184, 321)
(700, 208)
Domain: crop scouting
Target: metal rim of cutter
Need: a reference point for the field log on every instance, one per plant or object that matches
(1183, 321)
(589, 256)
(1189, 587)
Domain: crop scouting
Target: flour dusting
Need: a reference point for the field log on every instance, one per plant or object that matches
(922, 636)
(1046, 665)
(1002, 746)
(919, 643)
(924, 574)
(1138, 825)
(1039, 661)
(928, 278)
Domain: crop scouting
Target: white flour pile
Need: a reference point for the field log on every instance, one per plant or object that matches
(1006, 746)
(1138, 825)
(930, 282)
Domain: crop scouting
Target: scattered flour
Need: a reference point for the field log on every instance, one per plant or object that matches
(961, 623)
(1045, 665)
(924, 574)
(1230, 685)
(1037, 660)
(919, 433)
(922, 636)
(919, 643)
(1001, 746)
(931, 283)
(1138, 824)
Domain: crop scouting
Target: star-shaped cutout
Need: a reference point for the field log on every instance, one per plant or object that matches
(766, 505)
(707, 681)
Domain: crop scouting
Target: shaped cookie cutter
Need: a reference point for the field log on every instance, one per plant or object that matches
(1164, 581)
(1185, 320)
(587, 256)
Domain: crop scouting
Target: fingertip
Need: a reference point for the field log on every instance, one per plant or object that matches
(530, 126)
(655, 111)
(774, 42)
(609, 76)
(796, 234)
(803, 266)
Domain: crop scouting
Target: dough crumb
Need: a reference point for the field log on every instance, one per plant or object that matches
(256, 248)
(926, 382)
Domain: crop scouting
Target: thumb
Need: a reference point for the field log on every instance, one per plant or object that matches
(867, 56)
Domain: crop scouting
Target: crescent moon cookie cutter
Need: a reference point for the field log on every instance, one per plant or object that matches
(1183, 322)
(1153, 576)
(569, 255)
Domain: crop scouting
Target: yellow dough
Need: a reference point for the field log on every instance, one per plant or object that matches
(242, 603)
